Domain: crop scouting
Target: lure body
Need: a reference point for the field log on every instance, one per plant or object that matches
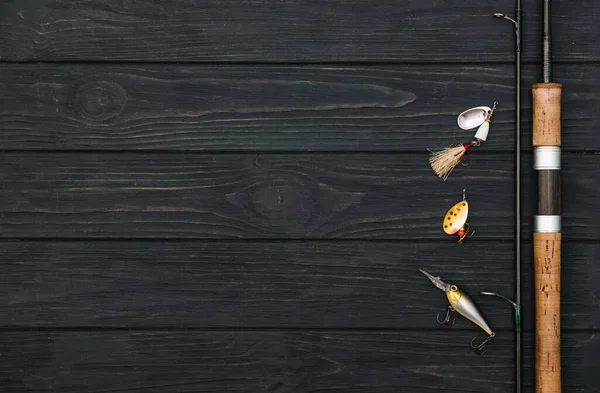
(455, 220)
(465, 306)
(461, 303)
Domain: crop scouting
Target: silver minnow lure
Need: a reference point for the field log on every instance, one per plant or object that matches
(462, 303)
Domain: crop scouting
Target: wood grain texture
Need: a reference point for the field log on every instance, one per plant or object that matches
(266, 236)
(249, 196)
(274, 284)
(169, 30)
(276, 108)
(274, 196)
(274, 361)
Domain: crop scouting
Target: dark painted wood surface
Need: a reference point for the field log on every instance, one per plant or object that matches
(275, 107)
(275, 361)
(311, 284)
(274, 196)
(295, 31)
(235, 196)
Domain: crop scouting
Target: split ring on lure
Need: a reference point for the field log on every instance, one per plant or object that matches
(455, 220)
(445, 160)
(462, 303)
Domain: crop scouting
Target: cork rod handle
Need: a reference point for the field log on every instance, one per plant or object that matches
(546, 114)
(547, 315)
(547, 236)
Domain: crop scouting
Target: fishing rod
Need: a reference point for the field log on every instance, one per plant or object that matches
(547, 223)
(517, 303)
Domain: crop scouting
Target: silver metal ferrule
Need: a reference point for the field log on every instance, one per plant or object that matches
(546, 224)
(546, 158)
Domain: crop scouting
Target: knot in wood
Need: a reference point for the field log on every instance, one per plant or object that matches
(281, 201)
(100, 101)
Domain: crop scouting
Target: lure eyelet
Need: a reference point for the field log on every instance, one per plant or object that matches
(453, 288)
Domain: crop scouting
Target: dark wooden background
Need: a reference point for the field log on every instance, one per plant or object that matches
(234, 196)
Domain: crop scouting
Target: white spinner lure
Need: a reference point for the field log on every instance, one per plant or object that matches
(462, 303)
(455, 220)
(445, 160)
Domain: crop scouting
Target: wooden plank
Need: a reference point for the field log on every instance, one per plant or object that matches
(274, 196)
(212, 284)
(247, 108)
(276, 108)
(275, 361)
(219, 196)
(274, 284)
(294, 31)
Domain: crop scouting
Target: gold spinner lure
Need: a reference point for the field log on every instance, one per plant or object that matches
(455, 220)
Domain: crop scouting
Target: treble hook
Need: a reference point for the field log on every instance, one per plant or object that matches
(469, 231)
(480, 348)
(449, 317)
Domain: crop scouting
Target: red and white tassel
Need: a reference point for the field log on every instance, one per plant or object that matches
(444, 161)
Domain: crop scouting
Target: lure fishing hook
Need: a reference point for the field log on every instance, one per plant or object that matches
(455, 220)
(468, 232)
(443, 161)
(480, 348)
(449, 319)
(461, 303)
